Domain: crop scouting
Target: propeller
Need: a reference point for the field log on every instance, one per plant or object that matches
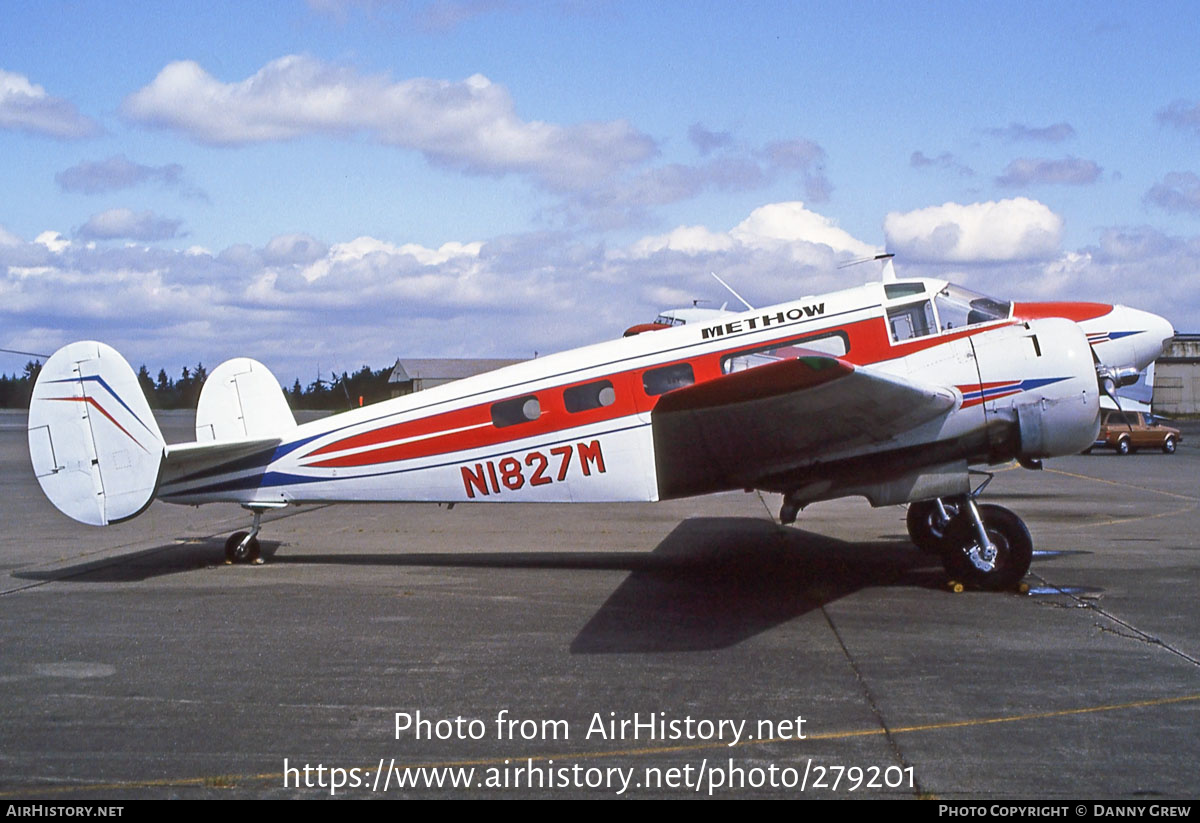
(1111, 378)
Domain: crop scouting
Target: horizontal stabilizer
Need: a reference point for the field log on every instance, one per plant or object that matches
(94, 444)
(192, 457)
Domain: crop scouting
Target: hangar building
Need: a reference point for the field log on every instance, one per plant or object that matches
(1177, 377)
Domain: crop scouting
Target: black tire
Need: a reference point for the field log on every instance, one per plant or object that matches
(235, 553)
(1169, 444)
(1088, 450)
(1124, 446)
(1014, 549)
(927, 527)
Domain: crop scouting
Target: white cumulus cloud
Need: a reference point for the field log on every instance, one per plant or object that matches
(52, 240)
(685, 239)
(788, 227)
(791, 223)
(26, 106)
(1016, 229)
(298, 302)
(470, 125)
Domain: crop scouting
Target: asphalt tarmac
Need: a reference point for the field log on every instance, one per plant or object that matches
(509, 642)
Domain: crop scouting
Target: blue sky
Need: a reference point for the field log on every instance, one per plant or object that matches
(330, 183)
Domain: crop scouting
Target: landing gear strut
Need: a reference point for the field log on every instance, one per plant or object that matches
(789, 510)
(927, 523)
(242, 547)
(990, 549)
(985, 546)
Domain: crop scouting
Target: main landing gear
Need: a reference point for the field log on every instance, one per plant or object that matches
(984, 546)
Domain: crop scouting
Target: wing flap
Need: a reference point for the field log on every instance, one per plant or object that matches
(727, 433)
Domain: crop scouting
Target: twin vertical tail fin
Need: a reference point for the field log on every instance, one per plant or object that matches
(242, 400)
(94, 444)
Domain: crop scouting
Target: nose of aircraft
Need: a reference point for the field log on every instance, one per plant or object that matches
(1148, 334)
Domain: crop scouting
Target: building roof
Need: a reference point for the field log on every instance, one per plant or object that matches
(444, 368)
(1183, 348)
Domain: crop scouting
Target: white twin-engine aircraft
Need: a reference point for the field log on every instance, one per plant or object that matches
(890, 390)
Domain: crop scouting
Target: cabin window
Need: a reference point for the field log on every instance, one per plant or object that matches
(589, 396)
(913, 320)
(516, 411)
(835, 343)
(667, 378)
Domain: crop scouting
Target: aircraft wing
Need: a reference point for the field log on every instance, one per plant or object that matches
(734, 431)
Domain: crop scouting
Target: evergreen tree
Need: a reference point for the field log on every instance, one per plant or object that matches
(147, 384)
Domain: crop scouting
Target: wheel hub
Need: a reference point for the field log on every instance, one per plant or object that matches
(983, 557)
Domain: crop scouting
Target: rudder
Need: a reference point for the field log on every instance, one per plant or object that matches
(93, 442)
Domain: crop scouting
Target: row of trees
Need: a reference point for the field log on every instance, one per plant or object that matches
(335, 394)
(15, 389)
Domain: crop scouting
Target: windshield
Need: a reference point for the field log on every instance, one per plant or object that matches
(958, 307)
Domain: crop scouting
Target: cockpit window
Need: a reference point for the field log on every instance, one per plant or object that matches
(664, 320)
(958, 307)
(912, 320)
(895, 291)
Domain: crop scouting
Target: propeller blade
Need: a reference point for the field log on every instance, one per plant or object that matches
(1109, 379)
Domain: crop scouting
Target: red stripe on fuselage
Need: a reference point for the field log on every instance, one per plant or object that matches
(869, 342)
(440, 433)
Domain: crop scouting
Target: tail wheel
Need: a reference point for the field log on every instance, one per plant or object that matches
(926, 525)
(1001, 568)
(1169, 445)
(240, 550)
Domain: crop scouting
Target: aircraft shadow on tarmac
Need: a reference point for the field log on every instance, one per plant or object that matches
(711, 583)
(716, 582)
(159, 561)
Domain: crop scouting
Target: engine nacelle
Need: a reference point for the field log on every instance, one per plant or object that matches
(1053, 409)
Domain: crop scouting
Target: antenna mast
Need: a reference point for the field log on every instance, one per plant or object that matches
(731, 291)
(889, 271)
